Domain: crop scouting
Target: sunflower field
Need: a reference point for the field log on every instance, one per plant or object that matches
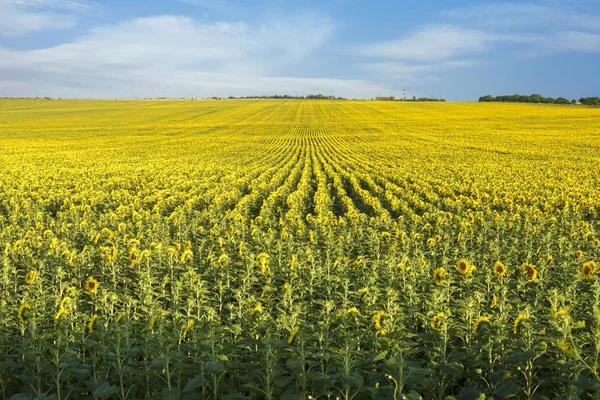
(298, 250)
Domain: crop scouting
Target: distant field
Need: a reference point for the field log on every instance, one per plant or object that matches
(286, 249)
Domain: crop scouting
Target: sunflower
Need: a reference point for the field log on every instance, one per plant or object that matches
(378, 320)
(262, 260)
(352, 311)
(293, 334)
(152, 323)
(31, 277)
(188, 326)
(90, 324)
(499, 269)
(494, 302)
(61, 311)
(440, 275)
(588, 270)
(257, 309)
(517, 322)
(529, 271)
(91, 285)
(482, 319)
(464, 267)
(436, 321)
(579, 254)
(21, 313)
(597, 242)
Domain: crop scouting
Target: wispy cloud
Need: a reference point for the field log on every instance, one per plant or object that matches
(472, 36)
(432, 42)
(416, 73)
(170, 55)
(20, 17)
(543, 16)
(213, 5)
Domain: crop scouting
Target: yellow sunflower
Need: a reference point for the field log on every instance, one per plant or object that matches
(439, 276)
(482, 319)
(588, 270)
(91, 285)
(436, 321)
(499, 269)
(21, 313)
(90, 324)
(293, 334)
(529, 271)
(462, 266)
(31, 277)
(518, 320)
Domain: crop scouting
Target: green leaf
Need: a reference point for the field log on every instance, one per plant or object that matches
(104, 390)
(290, 395)
(294, 365)
(171, 394)
(469, 394)
(194, 383)
(214, 367)
(282, 381)
(380, 356)
(508, 388)
(317, 376)
(353, 380)
(20, 396)
(453, 369)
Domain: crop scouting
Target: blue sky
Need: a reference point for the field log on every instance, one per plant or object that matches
(456, 49)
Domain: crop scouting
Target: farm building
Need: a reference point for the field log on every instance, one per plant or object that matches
(388, 98)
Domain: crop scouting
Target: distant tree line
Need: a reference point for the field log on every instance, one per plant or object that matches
(287, 96)
(534, 98)
(590, 101)
(425, 99)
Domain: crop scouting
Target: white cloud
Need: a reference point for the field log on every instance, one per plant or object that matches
(578, 41)
(177, 56)
(432, 42)
(415, 73)
(213, 5)
(485, 31)
(524, 16)
(21, 17)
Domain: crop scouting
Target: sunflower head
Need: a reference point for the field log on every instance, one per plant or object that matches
(436, 321)
(293, 334)
(90, 325)
(440, 275)
(22, 315)
(579, 254)
(529, 271)
(31, 277)
(463, 267)
(588, 270)
(91, 285)
(256, 310)
(378, 318)
(517, 323)
(597, 243)
(499, 269)
(484, 319)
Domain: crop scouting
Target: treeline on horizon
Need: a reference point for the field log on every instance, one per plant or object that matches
(537, 98)
(287, 96)
(424, 99)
